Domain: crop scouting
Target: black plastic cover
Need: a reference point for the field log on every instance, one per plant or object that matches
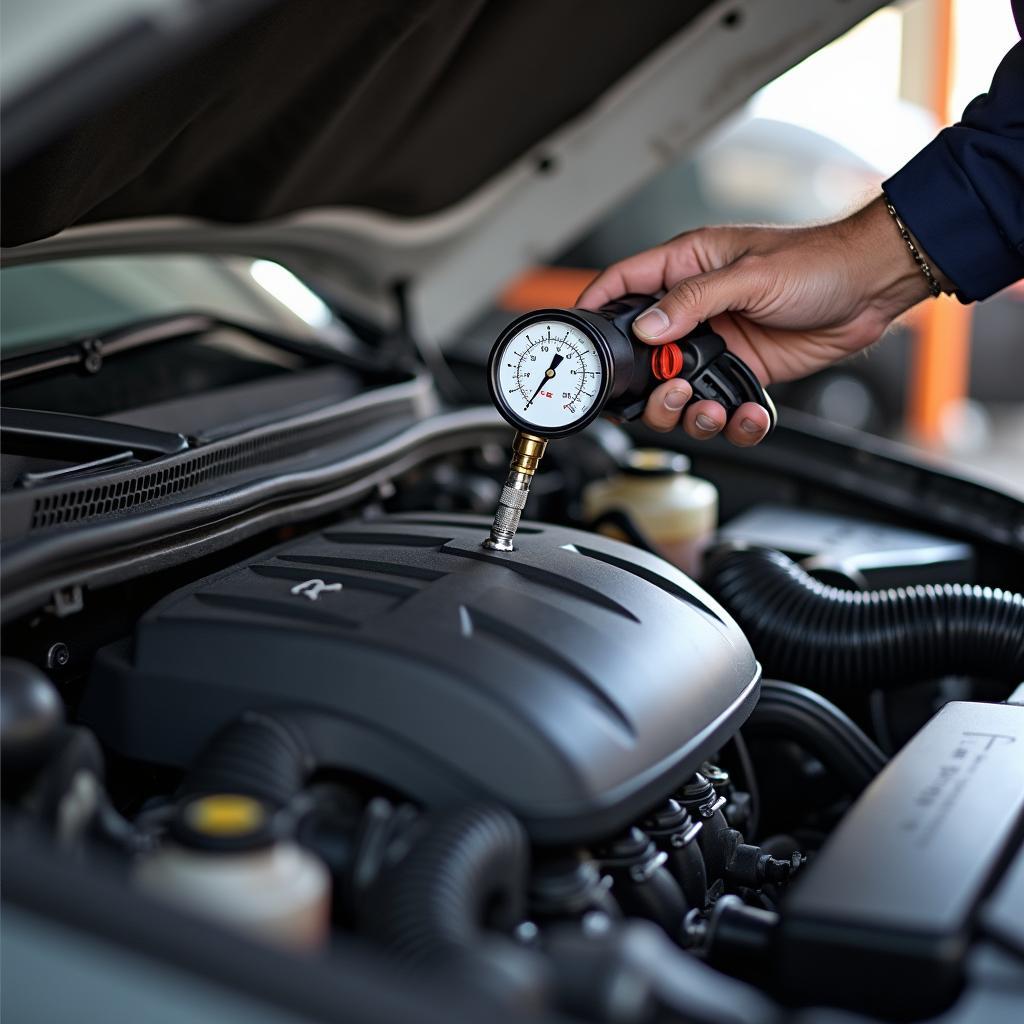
(577, 680)
(884, 916)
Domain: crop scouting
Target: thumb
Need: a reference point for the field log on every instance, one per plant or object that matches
(689, 302)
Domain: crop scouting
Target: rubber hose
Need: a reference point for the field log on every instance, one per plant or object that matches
(811, 633)
(260, 755)
(442, 908)
(821, 728)
(632, 971)
(749, 782)
(462, 866)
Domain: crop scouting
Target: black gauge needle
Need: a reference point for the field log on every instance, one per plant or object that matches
(548, 374)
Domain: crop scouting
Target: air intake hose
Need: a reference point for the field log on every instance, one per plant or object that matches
(262, 755)
(442, 907)
(811, 633)
(462, 865)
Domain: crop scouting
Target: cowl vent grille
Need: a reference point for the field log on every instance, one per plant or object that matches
(133, 488)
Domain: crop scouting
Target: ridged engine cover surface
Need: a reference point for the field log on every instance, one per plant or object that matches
(576, 680)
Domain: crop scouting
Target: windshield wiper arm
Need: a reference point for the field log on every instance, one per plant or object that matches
(89, 353)
(57, 434)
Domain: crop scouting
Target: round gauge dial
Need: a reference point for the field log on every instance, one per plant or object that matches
(548, 375)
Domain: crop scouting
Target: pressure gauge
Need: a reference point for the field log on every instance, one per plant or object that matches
(554, 371)
(549, 374)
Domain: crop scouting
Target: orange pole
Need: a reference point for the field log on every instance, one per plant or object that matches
(538, 287)
(940, 366)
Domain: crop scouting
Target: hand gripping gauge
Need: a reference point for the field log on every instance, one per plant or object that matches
(554, 371)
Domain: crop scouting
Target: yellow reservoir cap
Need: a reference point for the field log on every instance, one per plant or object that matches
(225, 815)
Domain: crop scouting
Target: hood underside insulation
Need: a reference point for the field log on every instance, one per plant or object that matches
(399, 106)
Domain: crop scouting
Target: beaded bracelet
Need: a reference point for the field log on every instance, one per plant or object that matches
(933, 285)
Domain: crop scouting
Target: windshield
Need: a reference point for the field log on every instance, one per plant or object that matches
(42, 304)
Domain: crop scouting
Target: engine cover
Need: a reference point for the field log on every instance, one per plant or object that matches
(575, 681)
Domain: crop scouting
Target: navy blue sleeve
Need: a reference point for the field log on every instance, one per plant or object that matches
(963, 195)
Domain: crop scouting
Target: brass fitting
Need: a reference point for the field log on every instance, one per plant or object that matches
(527, 451)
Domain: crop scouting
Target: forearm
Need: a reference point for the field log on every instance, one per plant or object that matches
(961, 196)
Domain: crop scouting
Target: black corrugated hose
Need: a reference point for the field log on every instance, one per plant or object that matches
(466, 868)
(811, 633)
(462, 865)
(260, 755)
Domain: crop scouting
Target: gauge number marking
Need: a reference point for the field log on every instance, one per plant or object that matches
(549, 375)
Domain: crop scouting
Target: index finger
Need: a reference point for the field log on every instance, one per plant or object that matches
(643, 273)
(658, 269)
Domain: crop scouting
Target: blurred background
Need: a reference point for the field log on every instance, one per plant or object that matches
(812, 146)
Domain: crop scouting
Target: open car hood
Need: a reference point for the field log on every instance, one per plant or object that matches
(439, 145)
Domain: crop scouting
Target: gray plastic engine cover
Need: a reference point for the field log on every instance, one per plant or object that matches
(576, 681)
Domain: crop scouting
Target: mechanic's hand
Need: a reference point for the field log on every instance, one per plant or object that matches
(787, 301)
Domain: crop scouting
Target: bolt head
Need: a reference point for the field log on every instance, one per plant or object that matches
(58, 656)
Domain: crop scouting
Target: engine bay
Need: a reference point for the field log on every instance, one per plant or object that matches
(715, 735)
(554, 776)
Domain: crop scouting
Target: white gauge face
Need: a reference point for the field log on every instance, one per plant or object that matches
(550, 374)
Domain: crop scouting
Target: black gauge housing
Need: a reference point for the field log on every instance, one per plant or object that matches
(631, 370)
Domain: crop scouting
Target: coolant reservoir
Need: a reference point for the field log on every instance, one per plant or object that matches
(223, 859)
(655, 493)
